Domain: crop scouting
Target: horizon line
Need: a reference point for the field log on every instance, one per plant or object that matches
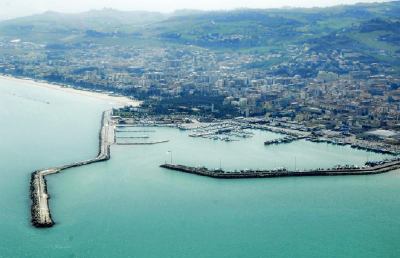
(284, 7)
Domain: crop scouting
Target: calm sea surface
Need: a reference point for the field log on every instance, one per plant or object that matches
(129, 207)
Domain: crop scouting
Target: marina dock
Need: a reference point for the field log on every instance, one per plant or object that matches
(40, 211)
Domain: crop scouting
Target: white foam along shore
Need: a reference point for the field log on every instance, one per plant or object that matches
(115, 100)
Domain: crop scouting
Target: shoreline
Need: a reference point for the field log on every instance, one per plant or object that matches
(117, 101)
(358, 144)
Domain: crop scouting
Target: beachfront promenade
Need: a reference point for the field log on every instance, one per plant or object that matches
(41, 216)
(343, 171)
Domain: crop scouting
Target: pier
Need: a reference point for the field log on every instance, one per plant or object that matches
(40, 211)
(133, 137)
(340, 171)
(284, 140)
(134, 131)
(142, 143)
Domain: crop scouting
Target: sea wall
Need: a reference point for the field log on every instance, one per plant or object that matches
(343, 171)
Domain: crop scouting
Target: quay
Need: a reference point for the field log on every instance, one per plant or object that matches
(342, 171)
(354, 146)
(343, 141)
(40, 211)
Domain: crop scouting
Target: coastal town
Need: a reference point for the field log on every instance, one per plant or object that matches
(200, 128)
(340, 92)
(224, 86)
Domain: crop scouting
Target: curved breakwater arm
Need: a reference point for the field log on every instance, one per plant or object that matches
(40, 211)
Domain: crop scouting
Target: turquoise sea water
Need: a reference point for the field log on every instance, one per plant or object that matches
(129, 207)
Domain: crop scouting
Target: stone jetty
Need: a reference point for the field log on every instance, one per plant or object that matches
(338, 171)
(40, 211)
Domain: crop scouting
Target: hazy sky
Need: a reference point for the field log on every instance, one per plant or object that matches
(14, 8)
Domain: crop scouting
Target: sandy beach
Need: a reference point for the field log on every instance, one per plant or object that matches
(115, 100)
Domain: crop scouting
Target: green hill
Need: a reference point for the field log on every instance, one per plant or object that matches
(369, 27)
